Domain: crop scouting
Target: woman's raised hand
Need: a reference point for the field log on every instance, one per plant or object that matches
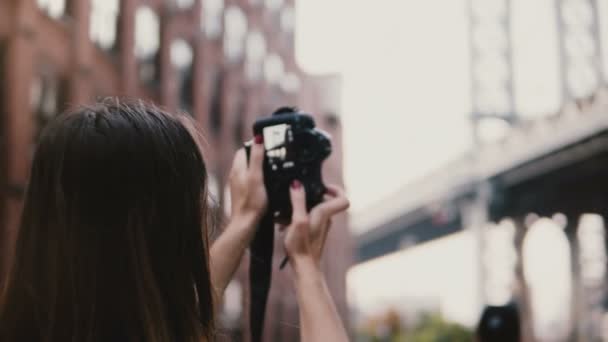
(304, 241)
(307, 232)
(247, 191)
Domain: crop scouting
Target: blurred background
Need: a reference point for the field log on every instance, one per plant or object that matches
(471, 135)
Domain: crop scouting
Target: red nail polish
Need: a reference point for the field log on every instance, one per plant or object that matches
(259, 139)
(296, 184)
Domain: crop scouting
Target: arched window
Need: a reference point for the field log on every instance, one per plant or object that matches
(182, 57)
(184, 4)
(212, 18)
(288, 18)
(104, 23)
(235, 33)
(274, 69)
(290, 83)
(273, 5)
(147, 45)
(547, 269)
(255, 51)
(55, 9)
(48, 97)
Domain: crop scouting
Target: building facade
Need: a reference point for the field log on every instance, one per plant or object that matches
(225, 62)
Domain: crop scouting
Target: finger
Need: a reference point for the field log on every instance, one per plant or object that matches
(332, 206)
(256, 158)
(298, 201)
(239, 165)
(240, 160)
(334, 190)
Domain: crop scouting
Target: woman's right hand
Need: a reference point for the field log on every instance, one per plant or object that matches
(304, 241)
(307, 232)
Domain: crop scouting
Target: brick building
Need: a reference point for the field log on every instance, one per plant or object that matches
(224, 61)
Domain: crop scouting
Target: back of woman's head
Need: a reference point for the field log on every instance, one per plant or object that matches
(112, 244)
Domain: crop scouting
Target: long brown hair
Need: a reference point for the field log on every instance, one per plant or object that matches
(113, 242)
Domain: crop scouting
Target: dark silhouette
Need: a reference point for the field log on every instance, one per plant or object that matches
(499, 324)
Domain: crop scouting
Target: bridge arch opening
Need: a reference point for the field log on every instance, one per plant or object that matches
(548, 274)
(500, 258)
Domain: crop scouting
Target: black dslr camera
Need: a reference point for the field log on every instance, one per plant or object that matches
(295, 149)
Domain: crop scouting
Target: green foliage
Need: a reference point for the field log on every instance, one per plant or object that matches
(429, 328)
(433, 328)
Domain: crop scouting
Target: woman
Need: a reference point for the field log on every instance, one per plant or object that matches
(113, 239)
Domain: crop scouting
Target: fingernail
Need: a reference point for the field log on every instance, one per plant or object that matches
(259, 139)
(296, 184)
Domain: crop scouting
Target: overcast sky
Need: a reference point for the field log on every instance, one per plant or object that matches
(405, 66)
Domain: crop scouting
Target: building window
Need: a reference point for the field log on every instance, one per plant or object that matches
(212, 18)
(290, 83)
(182, 57)
(235, 33)
(147, 45)
(288, 19)
(274, 69)
(255, 51)
(48, 97)
(184, 4)
(104, 23)
(273, 5)
(53, 8)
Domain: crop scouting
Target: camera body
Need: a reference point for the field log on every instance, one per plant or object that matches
(294, 149)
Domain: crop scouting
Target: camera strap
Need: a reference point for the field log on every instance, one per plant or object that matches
(260, 274)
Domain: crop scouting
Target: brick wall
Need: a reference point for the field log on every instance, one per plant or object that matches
(49, 63)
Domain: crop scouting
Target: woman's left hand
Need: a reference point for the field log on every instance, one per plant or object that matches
(318, 220)
(248, 194)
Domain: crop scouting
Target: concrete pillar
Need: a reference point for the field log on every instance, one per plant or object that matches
(577, 309)
(82, 54)
(18, 126)
(474, 214)
(129, 78)
(521, 291)
(168, 86)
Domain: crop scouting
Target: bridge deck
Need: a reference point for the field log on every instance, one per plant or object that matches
(572, 144)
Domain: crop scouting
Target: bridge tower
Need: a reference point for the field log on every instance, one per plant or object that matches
(492, 99)
(580, 48)
(580, 72)
(492, 93)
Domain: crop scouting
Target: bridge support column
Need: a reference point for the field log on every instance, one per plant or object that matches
(578, 321)
(521, 291)
(474, 213)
